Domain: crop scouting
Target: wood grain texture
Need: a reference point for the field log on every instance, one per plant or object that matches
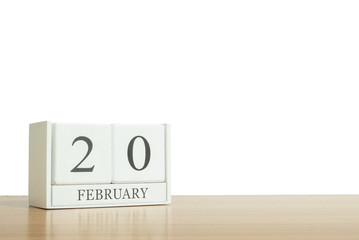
(190, 217)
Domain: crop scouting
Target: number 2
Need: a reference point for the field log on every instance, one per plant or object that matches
(89, 145)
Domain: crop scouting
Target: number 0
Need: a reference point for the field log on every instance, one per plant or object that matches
(130, 153)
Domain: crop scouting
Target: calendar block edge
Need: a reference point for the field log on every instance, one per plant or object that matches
(168, 160)
(40, 164)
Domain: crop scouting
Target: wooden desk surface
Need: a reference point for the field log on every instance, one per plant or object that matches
(190, 217)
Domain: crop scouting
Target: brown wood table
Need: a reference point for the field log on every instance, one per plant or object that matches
(190, 217)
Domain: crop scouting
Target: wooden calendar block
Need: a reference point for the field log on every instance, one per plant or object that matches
(138, 153)
(82, 165)
(81, 154)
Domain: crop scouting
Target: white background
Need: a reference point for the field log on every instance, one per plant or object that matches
(263, 96)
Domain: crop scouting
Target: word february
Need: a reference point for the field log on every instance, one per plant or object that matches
(109, 194)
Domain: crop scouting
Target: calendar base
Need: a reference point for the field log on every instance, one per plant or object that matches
(65, 196)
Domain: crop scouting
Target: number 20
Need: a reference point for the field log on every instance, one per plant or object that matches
(129, 154)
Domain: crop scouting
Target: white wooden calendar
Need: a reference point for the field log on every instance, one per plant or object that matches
(98, 165)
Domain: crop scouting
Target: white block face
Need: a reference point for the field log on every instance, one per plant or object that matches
(81, 154)
(138, 153)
